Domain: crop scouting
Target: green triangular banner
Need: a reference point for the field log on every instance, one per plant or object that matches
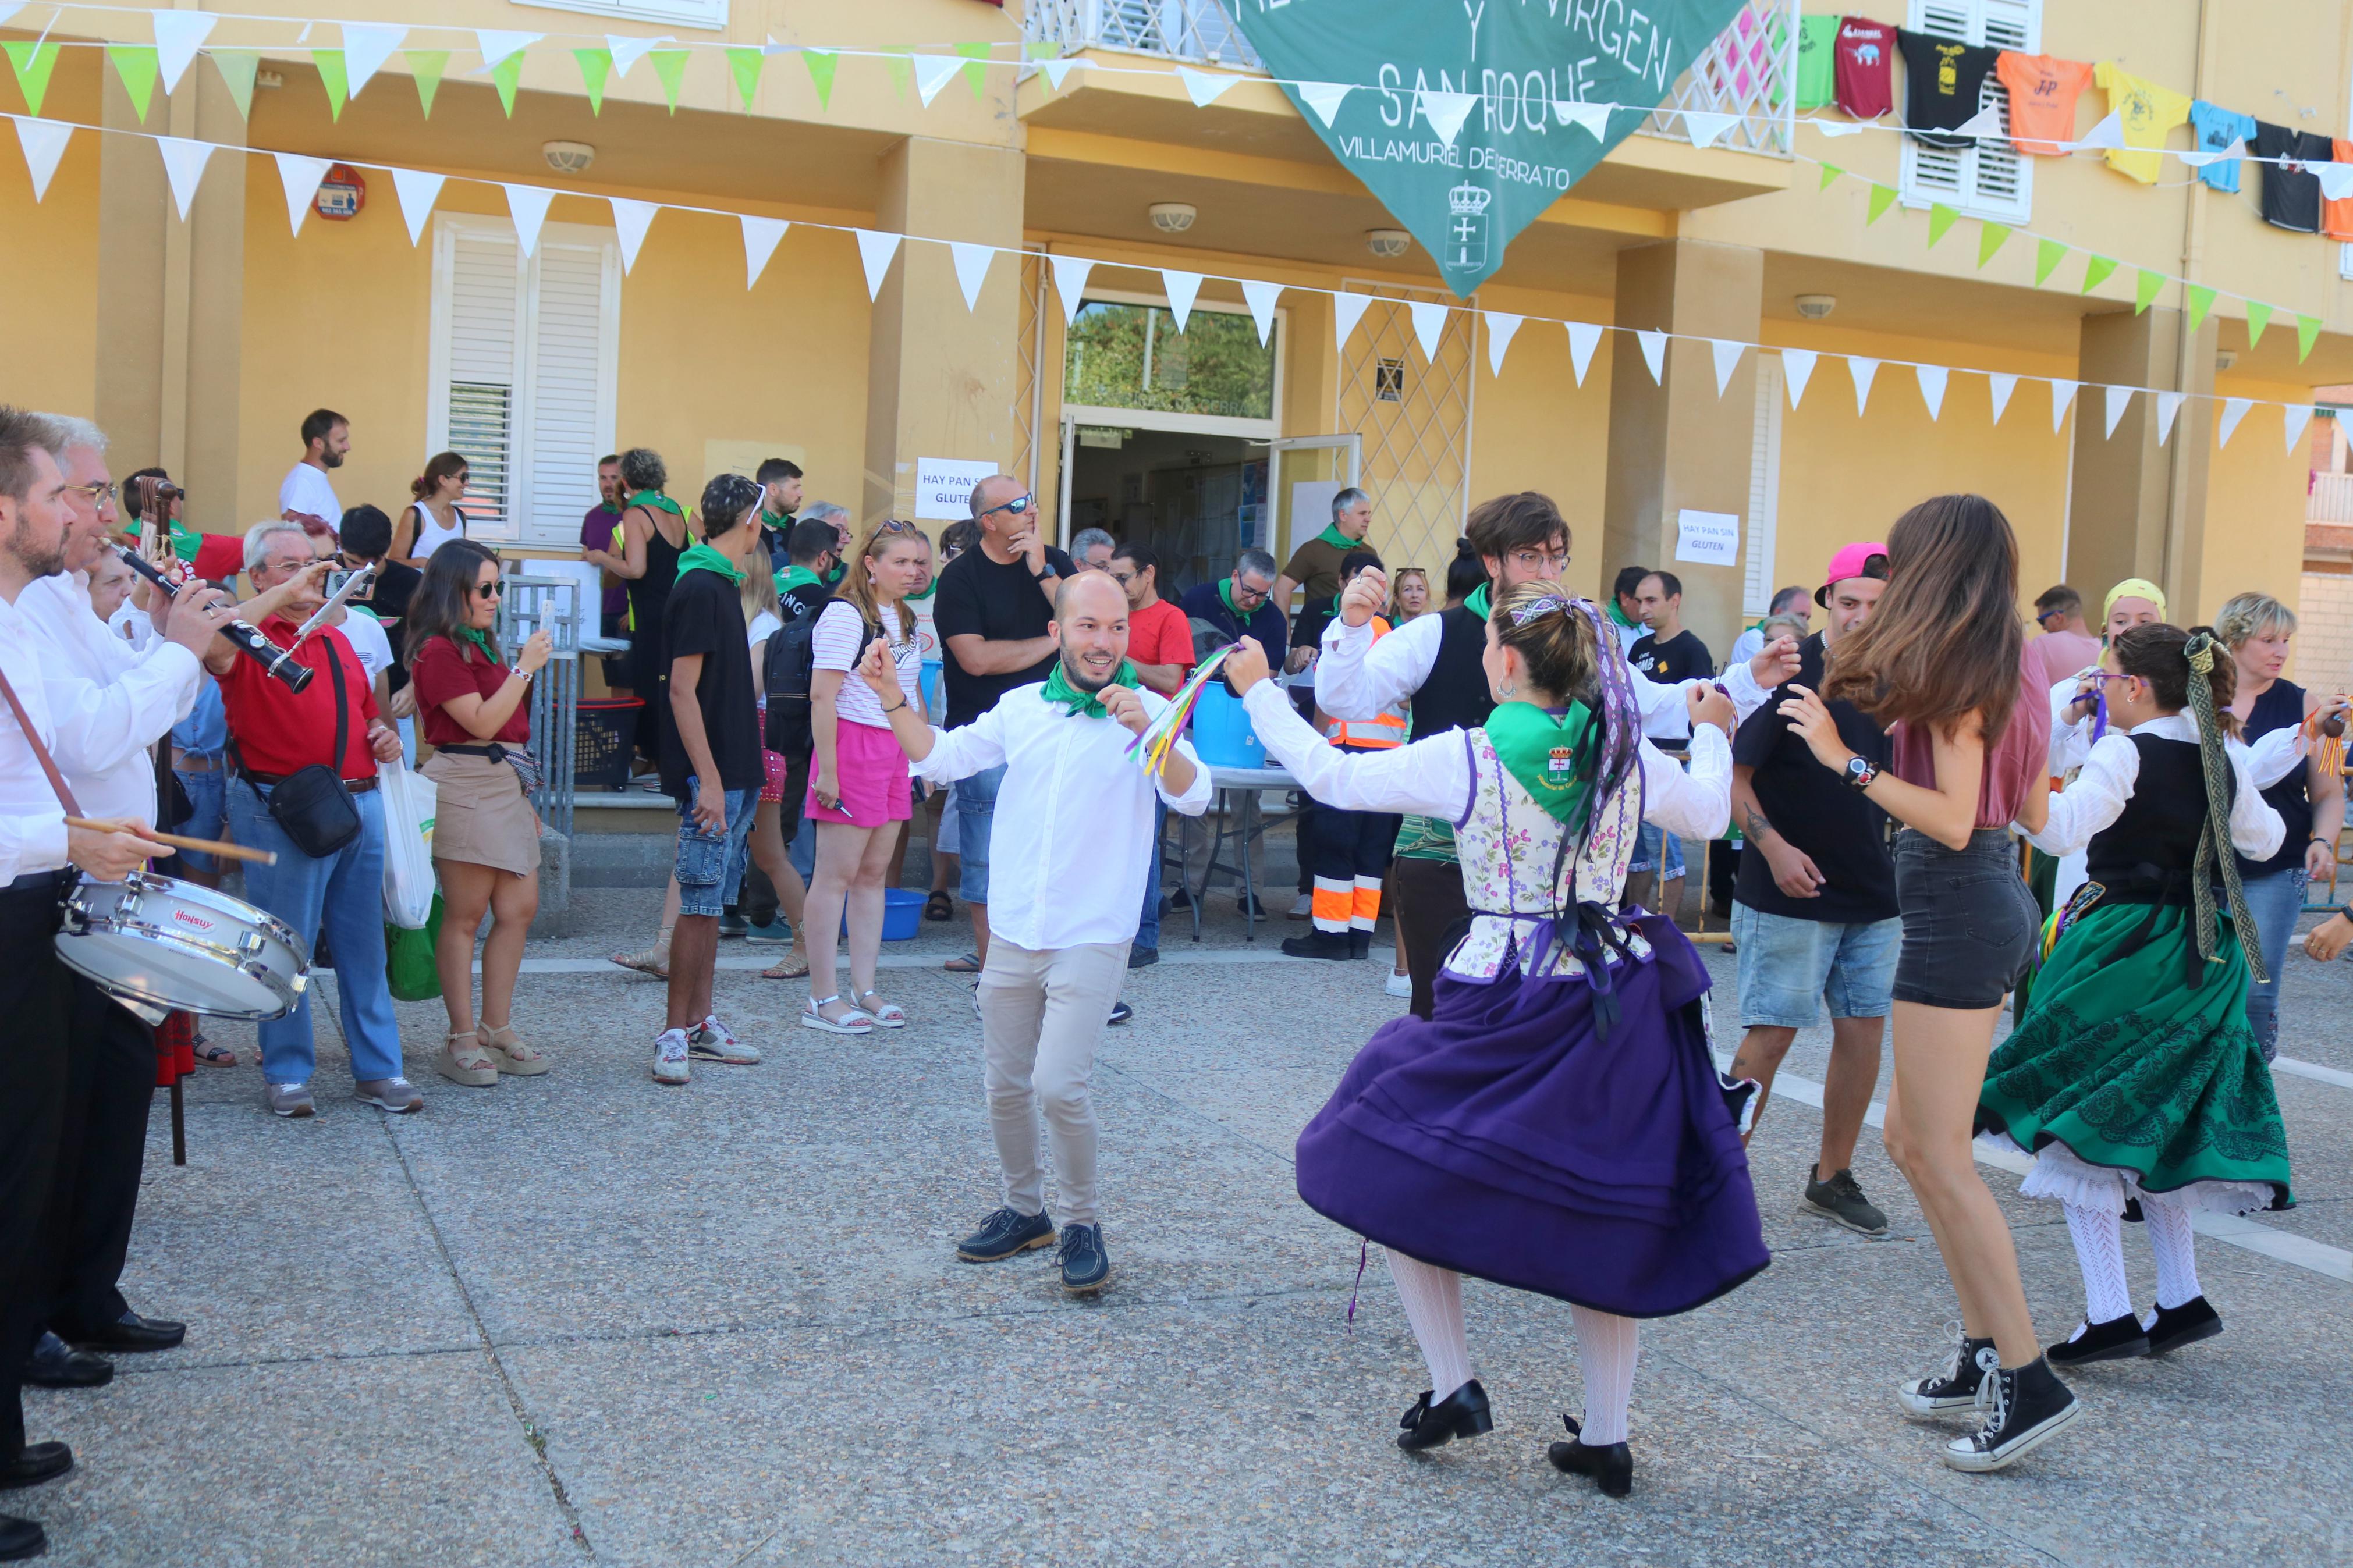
(1940, 218)
(1991, 238)
(745, 61)
(595, 69)
(2307, 332)
(2095, 272)
(2259, 316)
(1831, 172)
(1882, 198)
(820, 63)
(1042, 49)
(2048, 254)
(902, 73)
(427, 66)
(506, 76)
(2201, 299)
(236, 67)
(136, 64)
(335, 76)
(975, 73)
(2145, 288)
(670, 66)
(34, 62)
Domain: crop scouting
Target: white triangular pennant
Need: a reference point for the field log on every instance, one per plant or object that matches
(1500, 330)
(2168, 403)
(1704, 127)
(2062, 392)
(1797, 369)
(418, 191)
(1070, 283)
(1347, 309)
(2233, 410)
(2107, 133)
(2119, 398)
(527, 204)
(1593, 119)
(1932, 388)
(1204, 87)
(1727, 360)
(2232, 153)
(2298, 414)
(1056, 69)
(1323, 97)
(1429, 326)
(1182, 288)
(627, 51)
(497, 43)
(8, 8)
(2001, 386)
(1261, 298)
(630, 221)
(178, 36)
(2336, 179)
(875, 251)
(1446, 111)
(44, 142)
(761, 237)
(971, 269)
(934, 72)
(365, 48)
(300, 176)
(1838, 127)
(1582, 337)
(183, 164)
(1654, 354)
(1984, 122)
(1863, 371)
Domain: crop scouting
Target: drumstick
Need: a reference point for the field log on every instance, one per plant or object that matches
(204, 845)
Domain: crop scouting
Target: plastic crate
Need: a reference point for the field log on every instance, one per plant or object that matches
(605, 741)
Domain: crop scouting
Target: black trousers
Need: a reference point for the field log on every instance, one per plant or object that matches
(109, 1084)
(1351, 850)
(1429, 903)
(35, 1000)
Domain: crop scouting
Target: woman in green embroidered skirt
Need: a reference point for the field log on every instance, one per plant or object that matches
(2133, 1076)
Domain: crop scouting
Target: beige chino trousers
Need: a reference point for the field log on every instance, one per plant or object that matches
(1042, 1014)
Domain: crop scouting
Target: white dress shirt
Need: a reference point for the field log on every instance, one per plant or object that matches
(108, 702)
(1432, 775)
(2097, 796)
(1074, 832)
(31, 821)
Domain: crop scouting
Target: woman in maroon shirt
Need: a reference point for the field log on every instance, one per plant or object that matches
(485, 834)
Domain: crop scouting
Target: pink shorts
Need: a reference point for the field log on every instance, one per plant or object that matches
(872, 771)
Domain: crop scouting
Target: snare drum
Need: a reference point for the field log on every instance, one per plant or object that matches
(173, 944)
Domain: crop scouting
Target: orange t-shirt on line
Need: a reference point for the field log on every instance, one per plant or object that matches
(2336, 217)
(2042, 92)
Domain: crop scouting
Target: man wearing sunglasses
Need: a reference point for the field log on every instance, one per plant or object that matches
(2066, 646)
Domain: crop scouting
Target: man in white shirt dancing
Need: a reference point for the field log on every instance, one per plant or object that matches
(1075, 829)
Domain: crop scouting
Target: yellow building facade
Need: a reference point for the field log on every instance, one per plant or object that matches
(202, 344)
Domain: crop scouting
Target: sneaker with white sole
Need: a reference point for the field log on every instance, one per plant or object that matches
(288, 1100)
(711, 1042)
(1958, 1385)
(396, 1095)
(670, 1064)
(1305, 909)
(2026, 1407)
(1398, 985)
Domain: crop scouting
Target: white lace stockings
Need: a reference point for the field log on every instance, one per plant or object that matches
(1607, 1345)
(2100, 1249)
(2176, 1245)
(1433, 1305)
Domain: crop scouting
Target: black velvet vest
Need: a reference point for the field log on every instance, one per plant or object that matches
(1455, 696)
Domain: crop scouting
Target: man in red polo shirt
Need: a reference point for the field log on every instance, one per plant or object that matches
(275, 733)
(1160, 646)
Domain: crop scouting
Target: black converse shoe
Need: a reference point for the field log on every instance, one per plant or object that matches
(2025, 1405)
(1461, 1414)
(2119, 1339)
(2174, 1327)
(1956, 1387)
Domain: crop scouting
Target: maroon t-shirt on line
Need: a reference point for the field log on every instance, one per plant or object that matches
(1862, 67)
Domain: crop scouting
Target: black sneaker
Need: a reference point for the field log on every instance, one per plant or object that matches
(2119, 1339)
(1121, 1013)
(1085, 1265)
(1841, 1200)
(732, 924)
(2026, 1405)
(1334, 944)
(1461, 1414)
(1956, 1387)
(1004, 1234)
(1180, 900)
(2174, 1327)
(1253, 908)
(1142, 957)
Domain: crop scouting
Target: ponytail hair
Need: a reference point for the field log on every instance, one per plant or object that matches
(438, 466)
(2160, 655)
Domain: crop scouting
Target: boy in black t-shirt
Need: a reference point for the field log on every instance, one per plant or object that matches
(1667, 653)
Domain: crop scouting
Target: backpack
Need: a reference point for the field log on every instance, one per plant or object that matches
(786, 672)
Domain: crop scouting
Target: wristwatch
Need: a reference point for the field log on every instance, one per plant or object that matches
(1045, 570)
(1860, 771)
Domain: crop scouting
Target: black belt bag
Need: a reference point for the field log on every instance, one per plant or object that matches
(312, 805)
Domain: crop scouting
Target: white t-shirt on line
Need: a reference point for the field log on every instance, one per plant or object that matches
(306, 489)
(834, 644)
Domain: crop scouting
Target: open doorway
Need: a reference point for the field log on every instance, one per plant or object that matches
(1195, 498)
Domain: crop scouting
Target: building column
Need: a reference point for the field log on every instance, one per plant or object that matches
(1676, 444)
(941, 379)
(2137, 507)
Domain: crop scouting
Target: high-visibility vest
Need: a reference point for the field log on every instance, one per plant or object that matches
(1380, 733)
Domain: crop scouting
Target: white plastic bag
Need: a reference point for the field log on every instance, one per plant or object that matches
(409, 802)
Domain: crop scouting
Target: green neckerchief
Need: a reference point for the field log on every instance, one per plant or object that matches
(186, 542)
(1480, 598)
(840, 569)
(792, 577)
(930, 588)
(1336, 539)
(1226, 592)
(1618, 615)
(782, 521)
(657, 501)
(702, 557)
(478, 638)
(1540, 750)
(1059, 690)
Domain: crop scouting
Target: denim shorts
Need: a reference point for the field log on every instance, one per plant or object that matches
(711, 864)
(1647, 847)
(1970, 922)
(976, 803)
(1787, 965)
(207, 794)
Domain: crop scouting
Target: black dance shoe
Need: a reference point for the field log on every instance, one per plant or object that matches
(56, 1364)
(1611, 1465)
(39, 1462)
(131, 1332)
(1461, 1414)
(21, 1538)
(2186, 1325)
(2119, 1339)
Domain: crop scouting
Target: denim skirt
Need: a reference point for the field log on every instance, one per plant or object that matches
(1970, 922)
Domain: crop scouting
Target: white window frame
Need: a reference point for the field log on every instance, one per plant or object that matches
(1966, 197)
(1764, 488)
(447, 228)
(1167, 420)
(707, 14)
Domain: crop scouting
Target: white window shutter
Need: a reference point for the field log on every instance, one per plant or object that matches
(482, 337)
(1763, 487)
(1991, 179)
(570, 428)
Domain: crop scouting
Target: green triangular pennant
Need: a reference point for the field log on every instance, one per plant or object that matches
(136, 64)
(236, 67)
(2259, 316)
(1042, 48)
(902, 73)
(1831, 172)
(975, 73)
(596, 67)
(1940, 218)
(2307, 332)
(2145, 288)
(34, 62)
(2095, 272)
(1882, 198)
(427, 66)
(1990, 237)
(820, 63)
(670, 66)
(335, 77)
(2048, 254)
(2201, 299)
(505, 76)
(745, 61)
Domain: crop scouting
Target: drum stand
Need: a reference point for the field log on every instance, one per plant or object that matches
(179, 1125)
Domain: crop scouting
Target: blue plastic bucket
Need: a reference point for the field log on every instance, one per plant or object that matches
(902, 915)
(1222, 736)
(935, 695)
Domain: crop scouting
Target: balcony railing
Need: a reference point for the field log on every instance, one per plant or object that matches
(2330, 500)
(1746, 71)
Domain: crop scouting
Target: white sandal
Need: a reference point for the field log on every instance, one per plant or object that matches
(857, 1021)
(889, 1015)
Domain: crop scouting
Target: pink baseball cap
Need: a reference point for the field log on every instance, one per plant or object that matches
(1851, 560)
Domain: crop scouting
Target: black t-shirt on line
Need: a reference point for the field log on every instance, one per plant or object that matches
(1836, 825)
(1682, 657)
(978, 597)
(1942, 79)
(2292, 197)
(706, 617)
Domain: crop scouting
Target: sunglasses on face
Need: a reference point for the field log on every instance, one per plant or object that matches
(487, 590)
(1018, 506)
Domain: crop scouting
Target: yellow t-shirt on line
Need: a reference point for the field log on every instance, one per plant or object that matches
(2148, 111)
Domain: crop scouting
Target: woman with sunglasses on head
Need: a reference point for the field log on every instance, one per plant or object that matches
(475, 711)
(1942, 665)
(434, 517)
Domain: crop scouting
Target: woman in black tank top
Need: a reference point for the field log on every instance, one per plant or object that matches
(653, 529)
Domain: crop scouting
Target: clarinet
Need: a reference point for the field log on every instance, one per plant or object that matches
(248, 640)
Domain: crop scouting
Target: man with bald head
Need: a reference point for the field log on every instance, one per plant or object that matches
(1078, 837)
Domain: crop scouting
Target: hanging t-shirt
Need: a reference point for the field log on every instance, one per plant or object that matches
(2336, 216)
(1817, 36)
(2148, 111)
(1942, 79)
(2043, 91)
(2291, 194)
(1863, 67)
(2216, 129)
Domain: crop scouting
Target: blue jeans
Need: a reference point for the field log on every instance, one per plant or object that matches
(1789, 966)
(206, 793)
(344, 895)
(2275, 900)
(1646, 846)
(1147, 925)
(709, 866)
(976, 811)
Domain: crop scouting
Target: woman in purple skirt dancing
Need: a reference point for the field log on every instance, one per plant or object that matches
(1557, 1124)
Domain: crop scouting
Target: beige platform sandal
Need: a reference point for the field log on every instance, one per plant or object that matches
(514, 1059)
(463, 1060)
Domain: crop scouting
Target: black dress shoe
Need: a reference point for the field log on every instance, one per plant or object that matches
(1461, 1414)
(1611, 1465)
(1329, 944)
(56, 1364)
(20, 1539)
(2119, 1339)
(131, 1332)
(2178, 1326)
(39, 1462)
